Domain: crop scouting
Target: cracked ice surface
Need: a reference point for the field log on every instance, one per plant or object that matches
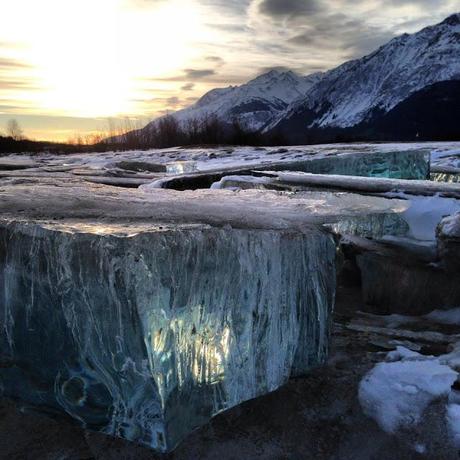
(134, 168)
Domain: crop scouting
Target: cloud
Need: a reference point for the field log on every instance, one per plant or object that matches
(172, 101)
(312, 35)
(286, 8)
(188, 87)
(216, 59)
(236, 7)
(197, 74)
(267, 69)
(337, 31)
(25, 84)
(13, 64)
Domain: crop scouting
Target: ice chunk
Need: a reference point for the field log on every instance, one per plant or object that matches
(170, 308)
(397, 164)
(451, 316)
(244, 182)
(147, 332)
(395, 280)
(411, 164)
(375, 225)
(445, 177)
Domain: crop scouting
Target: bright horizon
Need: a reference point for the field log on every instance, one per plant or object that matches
(66, 67)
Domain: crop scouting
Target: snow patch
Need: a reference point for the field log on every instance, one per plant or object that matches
(451, 316)
(395, 394)
(401, 353)
(246, 179)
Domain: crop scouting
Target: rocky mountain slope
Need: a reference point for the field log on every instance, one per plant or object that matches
(363, 90)
(254, 104)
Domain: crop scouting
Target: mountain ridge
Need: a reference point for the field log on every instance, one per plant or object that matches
(383, 78)
(354, 94)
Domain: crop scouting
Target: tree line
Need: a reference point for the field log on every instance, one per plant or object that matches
(208, 130)
(128, 134)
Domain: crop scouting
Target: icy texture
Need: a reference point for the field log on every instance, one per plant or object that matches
(398, 164)
(445, 177)
(395, 164)
(445, 155)
(371, 226)
(449, 227)
(147, 335)
(244, 182)
(229, 160)
(453, 422)
(395, 394)
(445, 316)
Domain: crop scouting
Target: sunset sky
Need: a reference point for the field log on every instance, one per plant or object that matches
(67, 66)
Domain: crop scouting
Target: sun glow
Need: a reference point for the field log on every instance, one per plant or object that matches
(93, 58)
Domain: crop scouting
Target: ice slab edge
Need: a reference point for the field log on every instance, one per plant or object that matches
(148, 336)
(411, 164)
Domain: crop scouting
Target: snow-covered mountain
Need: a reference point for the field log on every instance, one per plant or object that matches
(375, 97)
(255, 103)
(361, 89)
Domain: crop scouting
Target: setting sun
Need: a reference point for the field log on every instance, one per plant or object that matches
(91, 57)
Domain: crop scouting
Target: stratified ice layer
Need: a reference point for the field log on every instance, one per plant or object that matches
(147, 334)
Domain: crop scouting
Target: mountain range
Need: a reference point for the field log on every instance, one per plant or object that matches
(407, 89)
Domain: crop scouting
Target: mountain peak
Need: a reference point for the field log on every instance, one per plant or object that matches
(274, 74)
(453, 20)
(353, 92)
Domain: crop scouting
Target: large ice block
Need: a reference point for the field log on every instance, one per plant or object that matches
(147, 333)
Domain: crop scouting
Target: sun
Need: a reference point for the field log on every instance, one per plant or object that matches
(89, 56)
